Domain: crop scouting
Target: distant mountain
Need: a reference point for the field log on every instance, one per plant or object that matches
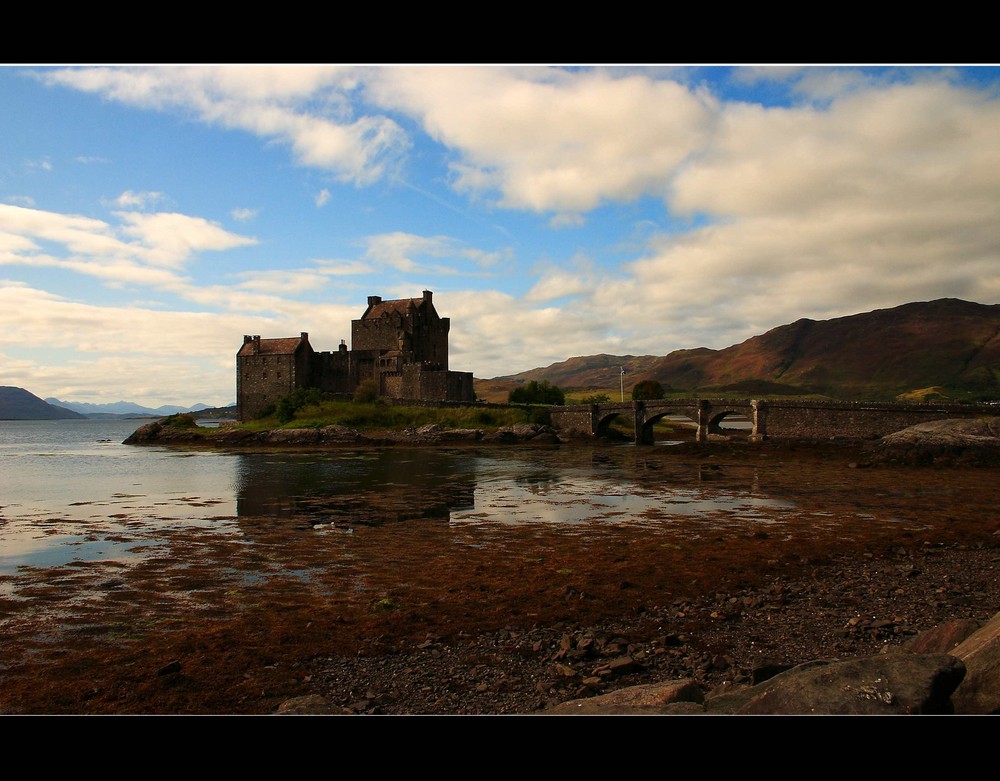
(19, 404)
(597, 371)
(120, 408)
(944, 348)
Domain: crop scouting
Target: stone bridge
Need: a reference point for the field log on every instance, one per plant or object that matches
(771, 419)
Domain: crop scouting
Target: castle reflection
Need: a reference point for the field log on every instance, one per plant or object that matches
(366, 488)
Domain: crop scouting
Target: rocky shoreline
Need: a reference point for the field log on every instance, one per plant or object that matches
(870, 636)
(429, 617)
(157, 433)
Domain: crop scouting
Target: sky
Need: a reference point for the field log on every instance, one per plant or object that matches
(150, 216)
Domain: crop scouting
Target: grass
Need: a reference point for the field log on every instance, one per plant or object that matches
(368, 417)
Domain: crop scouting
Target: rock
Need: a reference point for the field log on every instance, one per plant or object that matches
(310, 705)
(964, 441)
(623, 665)
(650, 698)
(143, 434)
(885, 684)
(292, 436)
(765, 669)
(170, 668)
(941, 639)
(338, 433)
(462, 435)
(980, 652)
(500, 437)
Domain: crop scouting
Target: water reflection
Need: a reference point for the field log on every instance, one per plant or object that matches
(612, 487)
(71, 493)
(356, 488)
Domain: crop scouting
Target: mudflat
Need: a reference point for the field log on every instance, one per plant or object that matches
(397, 609)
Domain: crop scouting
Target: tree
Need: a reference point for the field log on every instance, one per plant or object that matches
(647, 389)
(537, 393)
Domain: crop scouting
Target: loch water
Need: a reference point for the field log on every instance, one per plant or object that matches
(71, 492)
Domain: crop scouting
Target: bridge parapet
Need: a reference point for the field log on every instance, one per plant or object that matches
(777, 419)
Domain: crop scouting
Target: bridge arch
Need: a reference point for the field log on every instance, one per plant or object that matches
(646, 435)
(743, 415)
(602, 425)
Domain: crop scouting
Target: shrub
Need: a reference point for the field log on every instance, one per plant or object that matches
(286, 407)
(597, 398)
(180, 420)
(537, 393)
(647, 389)
(366, 392)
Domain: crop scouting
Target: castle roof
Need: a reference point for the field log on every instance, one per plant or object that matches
(272, 346)
(400, 306)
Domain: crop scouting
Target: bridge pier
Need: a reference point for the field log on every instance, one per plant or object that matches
(759, 418)
(642, 436)
(704, 419)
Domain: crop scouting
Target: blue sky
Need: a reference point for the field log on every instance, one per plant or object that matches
(151, 216)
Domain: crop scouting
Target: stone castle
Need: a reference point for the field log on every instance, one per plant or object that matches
(401, 345)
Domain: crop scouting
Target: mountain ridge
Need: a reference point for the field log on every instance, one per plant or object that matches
(942, 348)
(19, 404)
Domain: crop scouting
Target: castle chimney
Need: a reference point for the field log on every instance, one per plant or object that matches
(428, 295)
(256, 344)
(305, 336)
(343, 345)
(372, 300)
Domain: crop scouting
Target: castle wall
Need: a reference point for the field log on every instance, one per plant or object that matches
(263, 379)
(401, 345)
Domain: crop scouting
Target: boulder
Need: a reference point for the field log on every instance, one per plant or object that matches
(884, 684)
(144, 434)
(958, 441)
(649, 698)
(309, 705)
(980, 652)
(943, 638)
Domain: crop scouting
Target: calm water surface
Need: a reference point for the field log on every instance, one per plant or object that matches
(71, 492)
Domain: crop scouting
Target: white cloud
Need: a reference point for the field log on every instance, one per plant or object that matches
(558, 283)
(21, 200)
(170, 238)
(343, 268)
(145, 249)
(399, 250)
(307, 108)
(283, 280)
(554, 140)
(567, 221)
(323, 197)
(243, 215)
(138, 200)
(137, 353)
(494, 333)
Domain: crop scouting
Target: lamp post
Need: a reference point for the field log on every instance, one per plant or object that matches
(621, 382)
